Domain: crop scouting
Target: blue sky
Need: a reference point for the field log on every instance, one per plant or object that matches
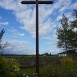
(19, 23)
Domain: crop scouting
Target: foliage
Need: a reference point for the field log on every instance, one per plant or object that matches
(75, 13)
(47, 54)
(62, 33)
(67, 38)
(1, 33)
(1, 45)
(67, 68)
(67, 60)
(8, 67)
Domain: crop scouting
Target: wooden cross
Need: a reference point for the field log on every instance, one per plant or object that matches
(37, 29)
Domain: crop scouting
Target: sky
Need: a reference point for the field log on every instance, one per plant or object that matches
(19, 22)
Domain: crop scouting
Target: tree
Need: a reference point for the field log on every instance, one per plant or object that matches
(1, 45)
(74, 22)
(73, 25)
(75, 13)
(66, 36)
(62, 33)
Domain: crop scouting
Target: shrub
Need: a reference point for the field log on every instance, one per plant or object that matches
(8, 67)
(67, 68)
(67, 60)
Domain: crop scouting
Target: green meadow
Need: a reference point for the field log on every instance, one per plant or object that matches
(50, 66)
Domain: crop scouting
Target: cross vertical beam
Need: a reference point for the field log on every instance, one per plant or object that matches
(37, 29)
(37, 41)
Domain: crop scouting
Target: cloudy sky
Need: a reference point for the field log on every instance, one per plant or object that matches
(19, 22)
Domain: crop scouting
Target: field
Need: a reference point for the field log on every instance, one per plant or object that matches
(50, 66)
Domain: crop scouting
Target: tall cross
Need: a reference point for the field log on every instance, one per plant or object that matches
(37, 29)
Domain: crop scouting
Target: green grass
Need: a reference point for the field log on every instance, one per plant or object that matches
(28, 71)
(51, 68)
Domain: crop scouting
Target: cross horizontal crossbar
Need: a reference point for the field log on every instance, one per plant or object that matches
(34, 2)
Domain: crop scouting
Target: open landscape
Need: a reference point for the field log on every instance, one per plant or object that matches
(38, 38)
(50, 66)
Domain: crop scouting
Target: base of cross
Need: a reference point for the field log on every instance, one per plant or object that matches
(36, 75)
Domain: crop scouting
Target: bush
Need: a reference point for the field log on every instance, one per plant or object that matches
(8, 67)
(67, 60)
(66, 68)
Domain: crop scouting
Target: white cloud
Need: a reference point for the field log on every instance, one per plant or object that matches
(26, 14)
(4, 23)
(13, 30)
(75, 29)
(45, 28)
(55, 50)
(58, 18)
(20, 34)
(74, 6)
(19, 47)
(65, 5)
(10, 4)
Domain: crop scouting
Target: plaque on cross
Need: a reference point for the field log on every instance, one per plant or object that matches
(37, 28)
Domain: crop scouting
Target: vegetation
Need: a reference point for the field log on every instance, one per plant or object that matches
(2, 47)
(8, 67)
(67, 37)
(63, 67)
